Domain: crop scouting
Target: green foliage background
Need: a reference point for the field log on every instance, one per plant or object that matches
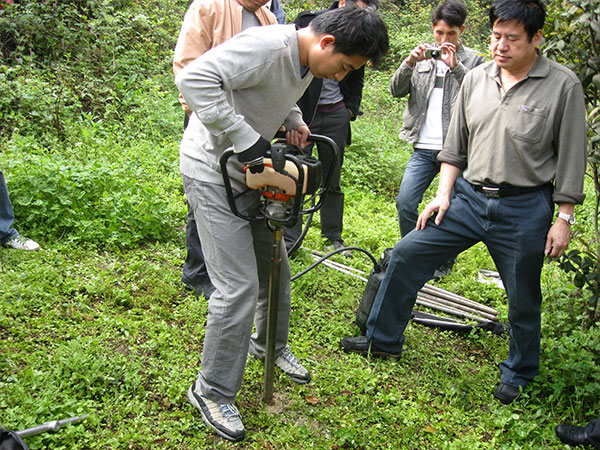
(98, 321)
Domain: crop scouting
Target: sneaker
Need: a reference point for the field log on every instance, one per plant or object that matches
(224, 418)
(288, 362)
(22, 243)
(335, 245)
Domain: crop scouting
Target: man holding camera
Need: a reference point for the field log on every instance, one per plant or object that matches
(432, 75)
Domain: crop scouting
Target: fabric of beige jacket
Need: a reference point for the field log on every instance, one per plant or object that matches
(206, 24)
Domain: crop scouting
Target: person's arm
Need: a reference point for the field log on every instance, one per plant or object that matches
(354, 83)
(571, 148)
(195, 38)
(440, 204)
(203, 83)
(400, 84)
(294, 119)
(461, 68)
(559, 235)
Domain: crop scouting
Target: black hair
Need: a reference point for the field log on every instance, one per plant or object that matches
(357, 31)
(370, 3)
(530, 13)
(453, 12)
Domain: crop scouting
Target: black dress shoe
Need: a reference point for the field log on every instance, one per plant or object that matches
(340, 244)
(363, 346)
(506, 393)
(204, 288)
(573, 435)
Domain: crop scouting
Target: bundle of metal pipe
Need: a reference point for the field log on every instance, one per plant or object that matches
(429, 296)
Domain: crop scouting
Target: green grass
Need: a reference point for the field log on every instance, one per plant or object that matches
(111, 332)
(98, 321)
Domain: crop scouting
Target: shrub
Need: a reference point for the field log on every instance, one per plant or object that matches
(96, 203)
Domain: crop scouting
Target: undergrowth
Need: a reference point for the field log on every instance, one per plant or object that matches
(98, 321)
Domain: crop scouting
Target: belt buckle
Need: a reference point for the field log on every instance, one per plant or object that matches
(491, 192)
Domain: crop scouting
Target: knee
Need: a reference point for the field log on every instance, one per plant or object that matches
(405, 204)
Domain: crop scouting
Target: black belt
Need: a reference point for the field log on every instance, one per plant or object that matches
(506, 191)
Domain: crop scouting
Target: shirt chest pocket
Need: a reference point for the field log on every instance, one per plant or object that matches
(529, 123)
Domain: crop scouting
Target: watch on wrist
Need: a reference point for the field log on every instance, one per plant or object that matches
(569, 218)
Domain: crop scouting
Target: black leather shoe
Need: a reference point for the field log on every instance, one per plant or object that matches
(335, 245)
(506, 393)
(204, 288)
(573, 435)
(363, 346)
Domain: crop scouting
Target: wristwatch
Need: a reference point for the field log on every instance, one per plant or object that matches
(569, 218)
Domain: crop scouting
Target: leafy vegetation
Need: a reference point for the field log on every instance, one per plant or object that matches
(98, 322)
(574, 39)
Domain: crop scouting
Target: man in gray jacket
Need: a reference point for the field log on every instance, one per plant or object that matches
(433, 83)
(241, 92)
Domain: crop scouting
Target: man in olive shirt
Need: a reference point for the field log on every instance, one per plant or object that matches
(518, 132)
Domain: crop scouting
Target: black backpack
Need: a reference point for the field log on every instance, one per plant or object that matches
(10, 440)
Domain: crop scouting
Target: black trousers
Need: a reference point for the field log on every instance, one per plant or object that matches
(334, 125)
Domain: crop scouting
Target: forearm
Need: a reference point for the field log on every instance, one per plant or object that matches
(400, 84)
(448, 175)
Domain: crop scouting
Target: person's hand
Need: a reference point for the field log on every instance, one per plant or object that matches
(417, 54)
(449, 54)
(557, 240)
(439, 205)
(298, 137)
(253, 157)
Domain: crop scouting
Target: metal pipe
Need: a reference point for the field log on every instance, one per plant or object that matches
(272, 309)
(337, 264)
(449, 310)
(433, 290)
(340, 268)
(53, 425)
(458, 306)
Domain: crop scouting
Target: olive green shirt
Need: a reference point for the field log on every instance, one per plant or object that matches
(529, 136)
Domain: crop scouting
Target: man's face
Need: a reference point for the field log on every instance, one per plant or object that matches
(442, 32)
(510, 45)
(325, 63)
(252, 5)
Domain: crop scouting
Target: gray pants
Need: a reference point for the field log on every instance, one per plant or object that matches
(238, 258)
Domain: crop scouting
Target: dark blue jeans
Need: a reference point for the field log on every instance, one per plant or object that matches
(6, 213)
(420, 171)
(513, 229)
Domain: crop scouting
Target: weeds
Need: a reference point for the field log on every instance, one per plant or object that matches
(98, 321)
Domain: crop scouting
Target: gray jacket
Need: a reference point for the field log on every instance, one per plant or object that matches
(241, 90)
(419, 82)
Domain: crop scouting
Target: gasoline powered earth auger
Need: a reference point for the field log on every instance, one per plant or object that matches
(289, 182)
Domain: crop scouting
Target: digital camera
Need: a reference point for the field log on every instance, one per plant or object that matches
(433, 52)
